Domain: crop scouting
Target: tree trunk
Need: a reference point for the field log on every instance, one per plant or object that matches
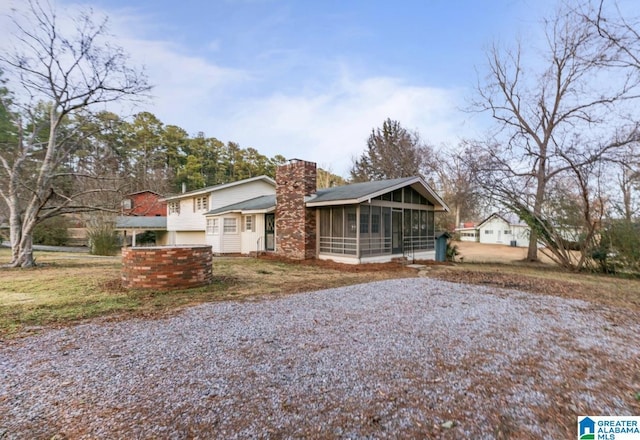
(23, 254)
(21, 242)
(532, 252)
(541, 178)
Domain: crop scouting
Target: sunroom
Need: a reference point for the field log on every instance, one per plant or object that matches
(377, 221)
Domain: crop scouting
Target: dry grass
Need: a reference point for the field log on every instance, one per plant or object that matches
(547, 280)
(67, 288)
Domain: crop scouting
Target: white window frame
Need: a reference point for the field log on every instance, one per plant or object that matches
(200, 204)
(213, 226)
(173, 207)
(248, 223)
(229, 228)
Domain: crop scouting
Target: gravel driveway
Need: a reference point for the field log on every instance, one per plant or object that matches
(407, 358)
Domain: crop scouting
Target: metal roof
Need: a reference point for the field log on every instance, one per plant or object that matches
(141, 222)
(262, 203)
(360, 192)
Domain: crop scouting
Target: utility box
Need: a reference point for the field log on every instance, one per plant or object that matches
(441, 245)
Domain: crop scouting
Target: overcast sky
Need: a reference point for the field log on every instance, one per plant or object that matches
(311, 79)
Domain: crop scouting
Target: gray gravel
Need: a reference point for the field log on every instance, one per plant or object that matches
(393, 359)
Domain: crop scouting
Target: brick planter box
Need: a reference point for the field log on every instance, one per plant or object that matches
(166, 267)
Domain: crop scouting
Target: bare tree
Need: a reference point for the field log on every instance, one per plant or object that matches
(61, 74)
(456, 181)
(540, 113)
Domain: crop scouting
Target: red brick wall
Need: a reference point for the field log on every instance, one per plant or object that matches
(295, 223)
(146, 204)
(166, 268)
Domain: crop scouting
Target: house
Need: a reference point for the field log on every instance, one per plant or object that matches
(497, 229)
(144, 203)
(362, 222)
(186, 222)
(143, 211)
(468, 232)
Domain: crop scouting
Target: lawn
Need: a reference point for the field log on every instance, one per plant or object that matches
(67, 288)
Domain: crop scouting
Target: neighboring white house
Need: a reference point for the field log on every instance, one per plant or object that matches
(496, 229)
(468, 234)
(186, 222)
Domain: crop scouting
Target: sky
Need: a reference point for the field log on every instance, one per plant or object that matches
(311, 79)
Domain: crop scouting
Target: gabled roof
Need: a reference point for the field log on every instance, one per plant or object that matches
(141, 222)
(214, 188)
(258, 204)
(513, 222)
(142, 192)
(361, 192)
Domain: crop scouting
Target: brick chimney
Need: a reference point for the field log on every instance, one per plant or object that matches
(295, 223)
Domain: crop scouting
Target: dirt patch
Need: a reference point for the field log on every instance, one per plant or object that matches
(471, 252)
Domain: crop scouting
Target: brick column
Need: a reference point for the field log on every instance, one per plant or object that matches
(295, 223)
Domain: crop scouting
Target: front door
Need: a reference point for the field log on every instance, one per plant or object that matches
(270, 232)
(396, 232)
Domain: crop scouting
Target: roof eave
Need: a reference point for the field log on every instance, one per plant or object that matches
(335, 202)
(215, 188)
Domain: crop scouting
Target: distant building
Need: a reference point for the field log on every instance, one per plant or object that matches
(496, 229)
(143, 211)
(144, 203)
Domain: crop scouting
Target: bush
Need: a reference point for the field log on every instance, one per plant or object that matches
(52, 232)
(146, 238)
(452, 251)
(103, 240)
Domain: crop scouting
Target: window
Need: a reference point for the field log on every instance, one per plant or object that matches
(488, 232)
(248, 223)
(213, 226)
(230, 226)
(507, 232)
(200, 203)
(352, 224)
(174, 207)
(375, 220)
(364, 220)
(127, 204)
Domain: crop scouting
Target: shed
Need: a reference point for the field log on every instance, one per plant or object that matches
(441, 245)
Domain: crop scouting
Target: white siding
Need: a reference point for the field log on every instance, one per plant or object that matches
(214, 240)
(521, 235)
(230, 241)
(493, 232)
(239, 193)
(468, 234)
(253, 241)
(189, 237)
(187, 220)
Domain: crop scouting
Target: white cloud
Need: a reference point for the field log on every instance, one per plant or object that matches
(332, 126)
